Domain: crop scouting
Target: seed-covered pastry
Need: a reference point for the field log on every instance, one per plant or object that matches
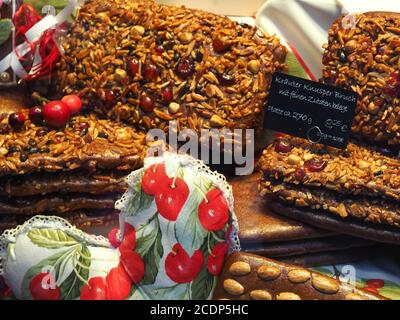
(147, 64)
(364, 57)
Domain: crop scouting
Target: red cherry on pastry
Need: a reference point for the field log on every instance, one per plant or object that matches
(171, 198)
(181, 268)
(146, 103)
(375, 283)
(73, 102)
(153, 178)
(216, 259)
(96, 289)
(213, 211)
(42, 287)
(56, 114)
(133, 67)
(150, 72)
(315, 165)
(16, 120)
(35, 115)
(133, 265)
(119, 284)
(167, 94)
(129, 239)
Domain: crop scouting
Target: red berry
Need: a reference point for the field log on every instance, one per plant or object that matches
(16, 120)
(216, 258)
(133, 265)
(299, 174)
(220, 44)
(213, 211)
(43, 287)
(181, 268)
(118, 283)
(129, 239)
(372, 290)
(56, 114)
(150, 72)
(133, 67)
(185, 68)
(171, 197)
(375, 283)
(35, 115)
(315, 165)
(153, 178)
(283, 146)
(96, 289)
(159, 50)
(73, 102)
(167, 95)
(146, 103)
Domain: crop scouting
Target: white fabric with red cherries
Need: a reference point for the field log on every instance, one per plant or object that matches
(178, 226)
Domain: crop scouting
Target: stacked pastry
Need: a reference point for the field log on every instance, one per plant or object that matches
(76, 172)
(357, 190)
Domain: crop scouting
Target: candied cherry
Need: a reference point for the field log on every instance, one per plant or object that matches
(43, 287)
(315, 165)
(56, 114)
(133, 67)
(185, 68)
(16, 120)
(299, 174)
(73, 102)
(146, 103)
(167, 94)
(35, 115)
(283, 146)
(150, 72)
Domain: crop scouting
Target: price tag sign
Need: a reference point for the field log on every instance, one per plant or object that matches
(311, 110)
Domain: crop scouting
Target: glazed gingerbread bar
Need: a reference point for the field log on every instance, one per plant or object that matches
(246, 276)
(56, 203)
(364, 57)
(147, 64)
(85, 143)
(358, 170)
(44, 183)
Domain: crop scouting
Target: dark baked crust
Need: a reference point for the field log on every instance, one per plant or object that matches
(316, 287)
(350, 226)
(55, 203)
(81, 219)
(365, 59)
(63, 183)
(137, 29)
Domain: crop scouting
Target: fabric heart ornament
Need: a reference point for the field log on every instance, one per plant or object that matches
(181, 211)
(47, 258)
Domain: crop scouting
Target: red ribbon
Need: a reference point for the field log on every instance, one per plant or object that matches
(24, 19)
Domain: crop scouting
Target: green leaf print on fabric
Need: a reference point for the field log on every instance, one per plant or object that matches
(205, 282)
(72, 286)
(139, 201)
(188, 230)
(149, 247)
(51, 238)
